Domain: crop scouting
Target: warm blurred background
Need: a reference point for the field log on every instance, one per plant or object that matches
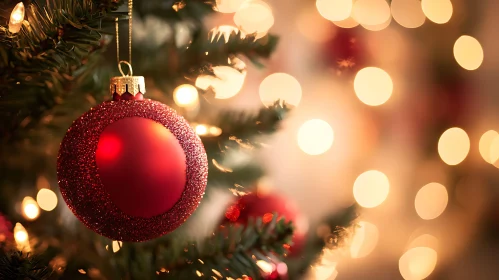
(396, 109)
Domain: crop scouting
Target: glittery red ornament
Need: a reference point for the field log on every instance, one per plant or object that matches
(346, 52)
(132, 170)
(264, 206)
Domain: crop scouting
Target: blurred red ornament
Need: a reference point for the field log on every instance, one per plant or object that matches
(132, 170)
(256, 205)
(6, 234)
(345, 51)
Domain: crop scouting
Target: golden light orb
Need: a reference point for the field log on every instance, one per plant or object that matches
(30, 208)
(315, 137)
(378, 27)
(438, 11)
(371, 188)
(228, 6)
(347, 23)
(334, 10)
(417, 263)
(371, 12)
(453, 146)
(431, 201)
(46, 199)
(468, 52)
(186, 95)
(227, 82)
(364, 240)
(408, 13)
(280, 86)
(373, 86)
(254, 16)
(20, 233)
(485, 146)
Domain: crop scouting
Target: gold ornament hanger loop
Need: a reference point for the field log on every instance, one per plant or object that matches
(130, 69)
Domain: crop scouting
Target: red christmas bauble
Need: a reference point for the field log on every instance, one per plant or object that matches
(346, 52)
(255, 205)
(132, 170)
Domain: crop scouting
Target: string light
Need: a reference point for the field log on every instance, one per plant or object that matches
(485, 146)
(246, 20)
(364, 240)
(334, 10)
(371, 12)
(408, 13)
(186, 96)
(468, 52)
(226, 84)
(16, 18)
(280, 86)
(371, 188)
(315, 137)
(453, 146)
(46, 199)
(437, 11)
(30, 208)
(431, 201)
(417, 263)
(22, 238)
(206, 130)
(373, 86)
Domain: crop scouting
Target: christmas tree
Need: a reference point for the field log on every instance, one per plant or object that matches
(57, 59)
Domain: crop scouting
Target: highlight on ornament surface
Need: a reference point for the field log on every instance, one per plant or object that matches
(17, 18)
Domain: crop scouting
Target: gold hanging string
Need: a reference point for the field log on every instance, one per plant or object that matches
(130, 28)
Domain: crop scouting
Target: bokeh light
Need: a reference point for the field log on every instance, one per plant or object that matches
(347, 23)
(453, 146)
(228, 6)
(186, 96)
(378, 27)
(494, 151)
(46, 199)
(30, 208)
(417, 263)
(408, 13)
(315, 137)
(116, 246)
(438, 11)
(371, 188)
(424, 240)
(22, 238)
(334, 10)
(371, 12)
(254, 16)
(364, 240)
(431, 201)
(485, 146)
(468, 52)
(225, 31)
(226, 84)
(373, 86)
(325, 272)
(280, 86)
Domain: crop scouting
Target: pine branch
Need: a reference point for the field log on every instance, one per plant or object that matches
(17, 265)
(232, 251)
(340, 224)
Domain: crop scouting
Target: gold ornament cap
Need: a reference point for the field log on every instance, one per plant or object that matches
(127, 84)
